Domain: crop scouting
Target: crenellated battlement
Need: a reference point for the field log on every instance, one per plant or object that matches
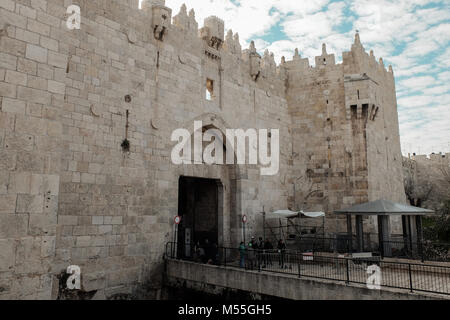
(185, 21)
(355, 62)
(232, 44)
(437, 158)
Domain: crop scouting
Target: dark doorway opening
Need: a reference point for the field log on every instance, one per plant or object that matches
(198, 209)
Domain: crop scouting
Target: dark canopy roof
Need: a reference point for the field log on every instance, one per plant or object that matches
(384, 207)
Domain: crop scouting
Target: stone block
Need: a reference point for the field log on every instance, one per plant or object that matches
(56, 87)
(8, 61)
(13, 225)
(43, 224)
(30, 203)
(16, 77)
(13, 106)
(7, 203)
(8, 5)
(57, 59)
(8, 90)
(37, 27)
(97, 220)
(26, 66)
(27, 36)
(68, 220)
(12, 46)
(31, 125)
(36, 53)
(7, 254)
(34, 95)
(49, 43)
(17, 141)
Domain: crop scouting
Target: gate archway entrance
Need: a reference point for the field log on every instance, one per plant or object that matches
(220, 181)
(198, 206)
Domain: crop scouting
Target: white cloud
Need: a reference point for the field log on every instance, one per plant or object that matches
(402, 72)
(417, 83)
(437, 90)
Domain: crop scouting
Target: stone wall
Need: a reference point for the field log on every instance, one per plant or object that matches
(70, 194)
(429, 178)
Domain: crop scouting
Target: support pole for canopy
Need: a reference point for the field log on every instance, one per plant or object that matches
(264, 225)
(359, 233)
(406, 234)
(409, 218)
(384, 232)
(419, 235)
(349, 232)
(281, 230)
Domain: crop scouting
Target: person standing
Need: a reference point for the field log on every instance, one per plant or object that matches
(261, 259)
(281, 250)
(252, 247)
(242, 250)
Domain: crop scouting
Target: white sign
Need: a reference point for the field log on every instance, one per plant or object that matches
(244, 218)
(308, 257)
(73, 282)
(374, 279)
(177, 220)
(74, 20)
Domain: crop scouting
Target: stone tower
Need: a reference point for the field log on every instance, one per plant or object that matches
(345, 132)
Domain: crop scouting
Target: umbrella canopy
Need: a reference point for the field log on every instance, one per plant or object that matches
(282, 214)
(313, 214)
(384, 207)
(287, 214)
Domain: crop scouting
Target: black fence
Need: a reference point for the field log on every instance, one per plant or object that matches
(425, 251)
(366, 271)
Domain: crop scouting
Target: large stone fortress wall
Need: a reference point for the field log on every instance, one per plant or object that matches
(69, 194)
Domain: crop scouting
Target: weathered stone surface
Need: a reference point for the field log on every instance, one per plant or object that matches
(7, 254)
(70, 194)
(7, 203)
(13, 225)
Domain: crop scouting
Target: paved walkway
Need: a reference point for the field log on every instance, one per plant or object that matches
(423, 277)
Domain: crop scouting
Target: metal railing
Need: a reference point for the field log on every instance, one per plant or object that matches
(425, 251)
(399, 275)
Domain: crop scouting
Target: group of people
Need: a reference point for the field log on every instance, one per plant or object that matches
(206, 252)
(255, 253)
(261, 253)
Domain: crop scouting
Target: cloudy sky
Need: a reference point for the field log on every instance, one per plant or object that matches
(412, 35)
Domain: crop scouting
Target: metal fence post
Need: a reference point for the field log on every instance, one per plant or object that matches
(299, 266)
(259, 260)
(225, 257)
(410, 277)
(348, 271)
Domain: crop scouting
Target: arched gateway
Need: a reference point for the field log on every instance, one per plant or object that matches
(209, 200)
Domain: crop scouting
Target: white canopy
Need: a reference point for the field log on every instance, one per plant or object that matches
(313, 214)
(287, 214)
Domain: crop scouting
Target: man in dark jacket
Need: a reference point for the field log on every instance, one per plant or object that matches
(281, 250)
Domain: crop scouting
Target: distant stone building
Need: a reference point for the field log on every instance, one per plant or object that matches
(86, 119)
(427, 179)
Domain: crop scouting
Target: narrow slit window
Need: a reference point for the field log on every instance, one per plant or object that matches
(365, 111)
(354, 111)
(209, 89)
